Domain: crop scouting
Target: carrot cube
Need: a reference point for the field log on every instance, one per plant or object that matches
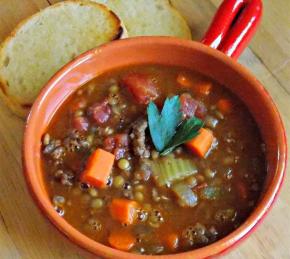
(123, 210)
(201, 144)
(98, 168)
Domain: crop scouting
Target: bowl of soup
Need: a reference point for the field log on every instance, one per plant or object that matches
(154, 146)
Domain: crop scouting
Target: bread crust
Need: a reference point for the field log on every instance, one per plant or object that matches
(22, 109)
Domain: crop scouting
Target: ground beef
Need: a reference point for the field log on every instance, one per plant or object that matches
(139, 138)
(66, 177)
(55, 151)
(75, 141)
(58, 153)
(198, 235)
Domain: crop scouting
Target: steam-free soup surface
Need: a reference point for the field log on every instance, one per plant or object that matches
(107, 178)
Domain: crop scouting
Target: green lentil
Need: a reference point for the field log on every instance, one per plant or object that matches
(147, 206)
(114, 89)
(108, 131)
(118, 181)
(79, 113)
(139, 196)
(90, 139)
(113, 100)
(93, 192)
(139, 187)
(97, 203)
(116, 110)
(46, 139)
(123, 164)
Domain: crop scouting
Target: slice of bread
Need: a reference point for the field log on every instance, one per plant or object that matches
(43, 43)
(149, 17)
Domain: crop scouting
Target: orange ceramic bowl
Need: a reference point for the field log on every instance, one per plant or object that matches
(164, 51)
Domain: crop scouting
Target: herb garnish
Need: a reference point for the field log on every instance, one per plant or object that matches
(166, 129)
(163, 126)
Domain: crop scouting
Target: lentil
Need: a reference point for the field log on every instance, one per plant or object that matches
(123, 164)
(46, 139)
(97, 203)
(119, 181)
(139, 197)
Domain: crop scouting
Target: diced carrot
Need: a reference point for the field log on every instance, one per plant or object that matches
(242, 190)
(122, 240)
(225, 106)
(203, 88)
(201, 144)
(125, 211)
(171, 241)
(98, 168)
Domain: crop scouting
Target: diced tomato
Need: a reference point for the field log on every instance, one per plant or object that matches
(201, 110)
(141, 86)
(191, 107)
(80, 123)
(109, 144)
(100, 112)
(188, 105)
(117, 144)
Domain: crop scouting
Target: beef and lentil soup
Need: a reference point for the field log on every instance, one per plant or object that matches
(153, 160)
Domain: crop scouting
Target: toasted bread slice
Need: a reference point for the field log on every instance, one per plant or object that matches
(149, 17)
(43, 43)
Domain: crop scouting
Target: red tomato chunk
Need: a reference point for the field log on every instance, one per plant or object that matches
(142, 87)
(188, 105)
(191, 107)
(100, 112)
(117, 144)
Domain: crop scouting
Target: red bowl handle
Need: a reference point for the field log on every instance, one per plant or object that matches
(233, 26)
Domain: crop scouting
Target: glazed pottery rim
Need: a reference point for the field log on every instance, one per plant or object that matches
(97, 248)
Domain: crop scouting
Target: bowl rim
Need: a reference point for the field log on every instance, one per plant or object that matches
(95, 247)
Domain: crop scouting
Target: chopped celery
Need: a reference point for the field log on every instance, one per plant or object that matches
(187, 198)
(167, 170)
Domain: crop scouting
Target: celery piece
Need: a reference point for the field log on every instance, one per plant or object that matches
(168, 170)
